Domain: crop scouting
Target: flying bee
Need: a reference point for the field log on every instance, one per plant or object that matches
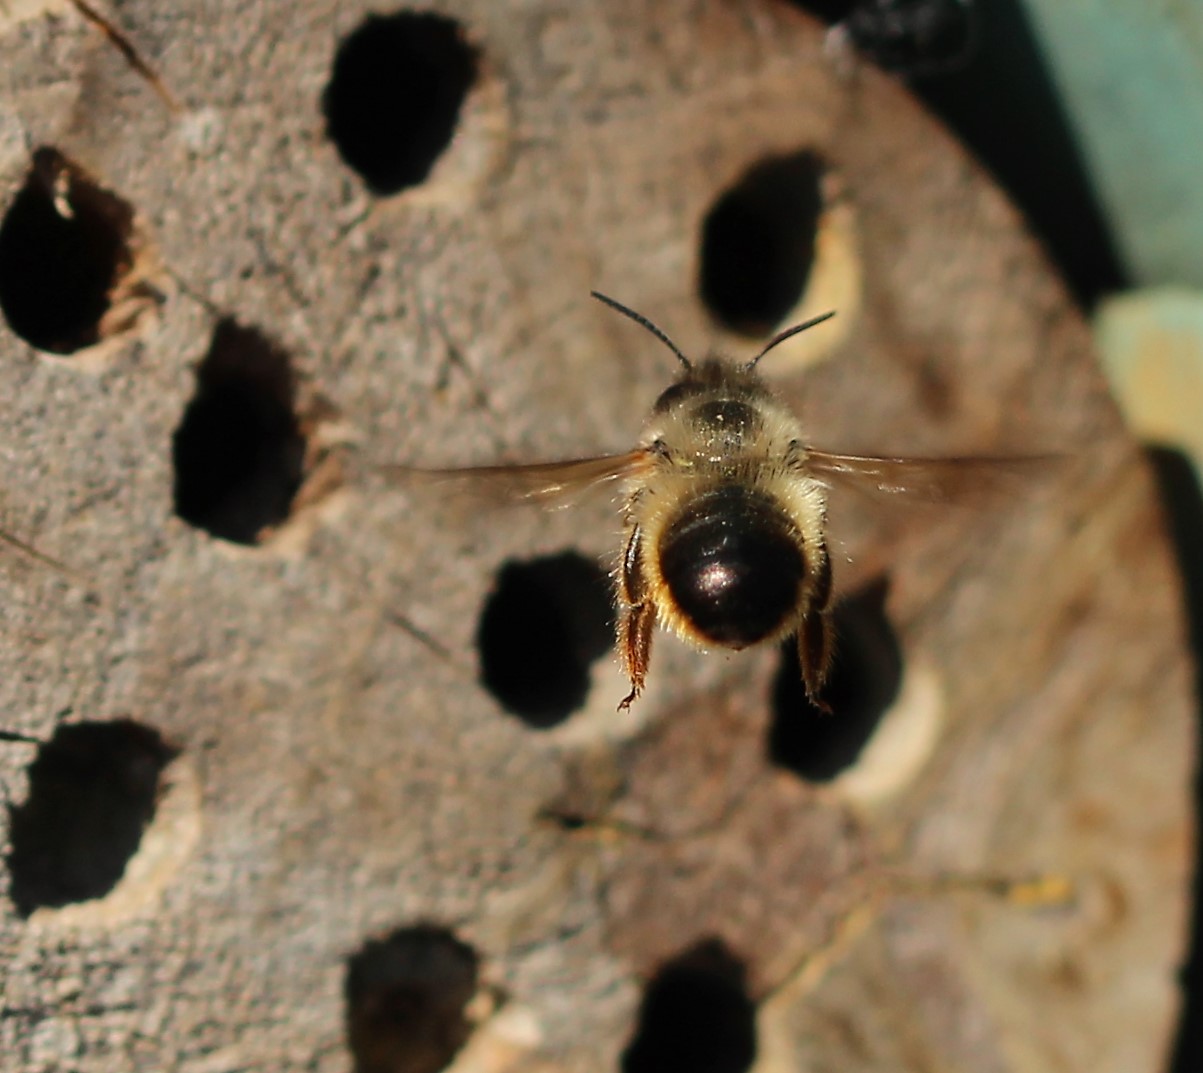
(724, 511)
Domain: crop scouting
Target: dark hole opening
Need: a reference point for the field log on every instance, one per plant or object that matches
(58, 272)
(980, 69)
(395, 94)
(93, 788)
(239, 452)
(544, 625)
(1182, 499)
(758, 243)
(696, 1015)
(916, 38)
(407, 996)
(864, 681)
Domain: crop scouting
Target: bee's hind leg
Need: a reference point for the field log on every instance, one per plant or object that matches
(635, 645)
(816, 642)
(816, 634)
(636, 618)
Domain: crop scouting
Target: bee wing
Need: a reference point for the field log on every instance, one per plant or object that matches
(543, 482)
(931, 480)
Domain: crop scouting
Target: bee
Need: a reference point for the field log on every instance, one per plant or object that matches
(724, 512)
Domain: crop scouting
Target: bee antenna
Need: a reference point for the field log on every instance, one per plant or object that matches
(642, 321)
(789, 333)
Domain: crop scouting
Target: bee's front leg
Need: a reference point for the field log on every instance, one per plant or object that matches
(636, 617)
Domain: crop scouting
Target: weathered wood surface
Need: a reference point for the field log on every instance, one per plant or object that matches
(339, 778)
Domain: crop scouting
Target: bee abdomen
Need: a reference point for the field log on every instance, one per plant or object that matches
(733, 564)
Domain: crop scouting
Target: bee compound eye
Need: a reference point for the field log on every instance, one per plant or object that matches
(733, 565)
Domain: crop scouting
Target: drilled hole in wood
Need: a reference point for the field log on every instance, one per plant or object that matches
(758, 243)
(827, 10)
(1181, 494)
(67, 259)
(239, 452)
(93, 789)
(407, 1000)
(543, 626)
(394, 98)
(864, 682)
(913, 37)
(696, 1015)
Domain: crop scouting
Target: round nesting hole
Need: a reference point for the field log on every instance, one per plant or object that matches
(758, 243)
(93, 789)
(913, 37)
(695, 1015)
(67, 260)
(395, 94)
(865, 679)
(407, 1000)
(239, 452)
(543, 626)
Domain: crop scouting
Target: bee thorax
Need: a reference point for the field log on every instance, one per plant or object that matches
(726, 423)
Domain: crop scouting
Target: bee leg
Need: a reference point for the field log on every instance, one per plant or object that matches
(636, 619)
(815, 644)
(635, 637)
(816, 635)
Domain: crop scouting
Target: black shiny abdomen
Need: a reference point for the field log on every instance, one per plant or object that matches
(732, 563)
